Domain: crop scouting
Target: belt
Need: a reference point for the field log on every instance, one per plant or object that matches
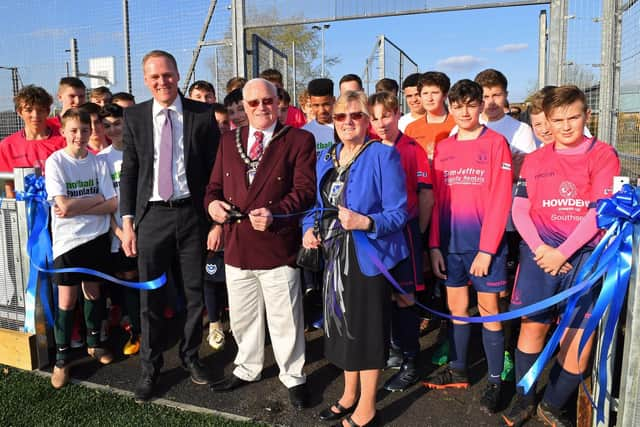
(177, 203)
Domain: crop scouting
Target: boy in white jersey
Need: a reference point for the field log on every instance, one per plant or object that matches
(122, 266)
(322, 100)
(83, 197)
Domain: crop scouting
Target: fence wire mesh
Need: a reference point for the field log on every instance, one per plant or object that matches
(41, 53)
(387, 60)
(581, 66)
(628, 139)
(265, 56)
(274, 12)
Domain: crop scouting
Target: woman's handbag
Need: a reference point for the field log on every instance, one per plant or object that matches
(311, 259)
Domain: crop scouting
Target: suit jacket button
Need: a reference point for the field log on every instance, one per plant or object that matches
(270, 202)
(230, 198)
(238, 221)
(279, 178)
(227, 174)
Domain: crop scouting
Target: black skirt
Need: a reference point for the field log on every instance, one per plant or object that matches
(357, 313)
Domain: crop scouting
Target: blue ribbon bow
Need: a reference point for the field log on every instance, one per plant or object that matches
(38, 247)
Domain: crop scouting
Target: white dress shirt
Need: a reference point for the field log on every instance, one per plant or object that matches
(178, 169)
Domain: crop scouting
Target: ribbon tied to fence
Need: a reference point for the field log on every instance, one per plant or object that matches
(40, 252)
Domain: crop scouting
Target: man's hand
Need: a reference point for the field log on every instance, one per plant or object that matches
(550, 259)
(437, 264)
(218, 211)
(351, 220)
(129, 243)
(260, 219)
(480, 264)
(215, 239)
(310, 240)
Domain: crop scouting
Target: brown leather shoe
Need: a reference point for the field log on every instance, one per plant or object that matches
(102, 355)
(60, 376)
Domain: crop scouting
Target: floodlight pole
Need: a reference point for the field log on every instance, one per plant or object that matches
(322, 29)
(127, 44)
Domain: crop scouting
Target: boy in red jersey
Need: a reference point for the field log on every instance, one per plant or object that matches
(405, 323)
(472, 189)
(32, 145)
(554, 211)
(72, 93)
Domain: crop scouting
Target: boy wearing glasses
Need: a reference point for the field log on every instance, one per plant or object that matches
(472, 191)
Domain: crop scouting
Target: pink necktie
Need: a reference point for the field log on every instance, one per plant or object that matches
(257, 147)
(165, 159)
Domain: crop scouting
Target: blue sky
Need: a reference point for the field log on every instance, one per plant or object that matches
(458, 43)
(37, 32)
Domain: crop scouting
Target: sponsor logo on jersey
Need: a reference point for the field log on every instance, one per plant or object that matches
(568, 189)
(568, 192)
(506, 166)
(544, 175)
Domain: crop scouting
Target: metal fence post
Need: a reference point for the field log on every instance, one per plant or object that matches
(609, 71)
(629, 408)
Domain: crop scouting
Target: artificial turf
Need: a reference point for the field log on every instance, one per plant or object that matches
(27, 399)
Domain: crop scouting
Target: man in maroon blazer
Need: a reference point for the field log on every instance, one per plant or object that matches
(262, 173)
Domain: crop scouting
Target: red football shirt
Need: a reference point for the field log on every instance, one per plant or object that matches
(416, 168)
(18, 152)
(562, 187)
(472, 192)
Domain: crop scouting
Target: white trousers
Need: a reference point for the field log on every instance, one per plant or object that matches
(278, 291)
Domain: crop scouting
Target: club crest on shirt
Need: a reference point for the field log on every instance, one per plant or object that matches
(568, 190)
(483, 157)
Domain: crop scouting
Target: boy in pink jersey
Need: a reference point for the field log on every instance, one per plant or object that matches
(405, 323)
(554, 211)
(472, 190)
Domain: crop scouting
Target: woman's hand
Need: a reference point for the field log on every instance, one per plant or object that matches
(310, 240)
(351, 220)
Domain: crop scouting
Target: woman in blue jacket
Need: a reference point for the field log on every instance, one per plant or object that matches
(361, 195)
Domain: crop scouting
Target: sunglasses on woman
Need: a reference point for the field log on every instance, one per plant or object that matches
(253, 103)
(341, 117)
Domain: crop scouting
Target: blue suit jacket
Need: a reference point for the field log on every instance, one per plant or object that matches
(376, 187)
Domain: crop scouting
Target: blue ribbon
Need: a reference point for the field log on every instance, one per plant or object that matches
(40, 252)
(38, 247)
(618, 213)
(611, 258)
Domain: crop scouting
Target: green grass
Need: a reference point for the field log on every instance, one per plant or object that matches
(27, 399)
